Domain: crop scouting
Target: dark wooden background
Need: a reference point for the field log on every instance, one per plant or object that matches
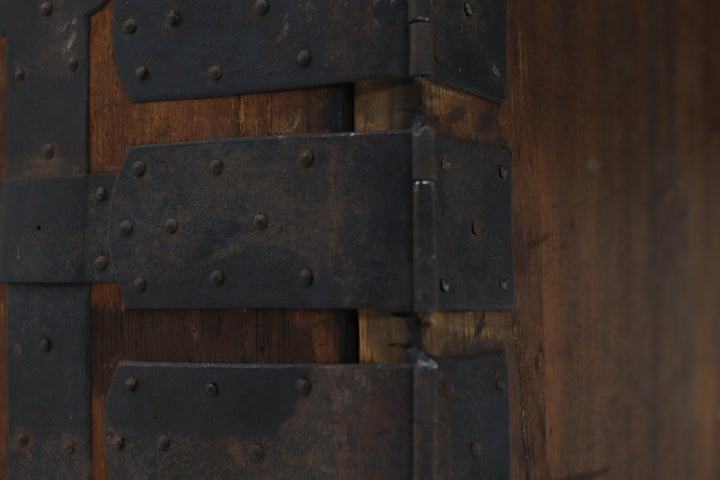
(613, 119)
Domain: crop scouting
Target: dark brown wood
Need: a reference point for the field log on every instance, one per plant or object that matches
(612, 346)
(200, 336)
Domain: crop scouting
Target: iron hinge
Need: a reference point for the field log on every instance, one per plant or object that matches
(404, 221)
(426, 421)
(183, 49)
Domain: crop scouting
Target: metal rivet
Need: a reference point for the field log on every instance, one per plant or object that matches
(118, 442)
(444, 285)
(504, 284)
(46, 8)
(101, 262)
(216, 167)
(217, 277)
(174, 18)
(260, 222)
(303, 386)
(45, 344)
(499, 383)
(211, 390)
(141, 73)
(23, 439)
(256, 452)
(306, 277)
(130, 26)
(163, 443)
(303, 58)
(171, 225)
(476, 227)
(48, 150)
(475, 449)
(73, 63)
(69, 447)
(468, 9)
(139, 284)
(138, 169)
(19, 74)
(131, 384)
(126, 227)
(100, 194)
(307, 158)
(495, 70)
(262, 7)
(503, 171)
(215, 72)
(445, 163)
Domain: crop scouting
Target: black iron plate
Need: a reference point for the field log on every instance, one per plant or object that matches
(188, 421)
(185, 49)
(54, 230)
(473, 434)
(474, 228)
(265, 231)
(49, 401)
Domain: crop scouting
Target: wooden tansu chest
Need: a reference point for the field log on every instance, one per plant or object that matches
(350, 239)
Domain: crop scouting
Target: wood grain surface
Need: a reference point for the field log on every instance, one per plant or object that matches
(613, 120)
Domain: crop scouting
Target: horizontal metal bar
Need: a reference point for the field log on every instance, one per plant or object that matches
(188, 421)
(399, 221)
(188, 49)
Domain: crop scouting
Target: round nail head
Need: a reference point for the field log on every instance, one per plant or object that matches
(48, 150)
(260, 222)
(101, 263)
(503, 172)
(118, 442)
(130, 26)
(138, 169)
(73, 63)
(217, 278)
(303, 386)
(171, 225)
(211, 390)
(174, 18)
(215, 72)
(163, 443)
(307, 158)
(126, 227)
(303, 58)
(131, 384)
(261, 7)
(216, 167)
(46, 8)
(100, 194)
(256, 452)
(306, 277)
(141, 73)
